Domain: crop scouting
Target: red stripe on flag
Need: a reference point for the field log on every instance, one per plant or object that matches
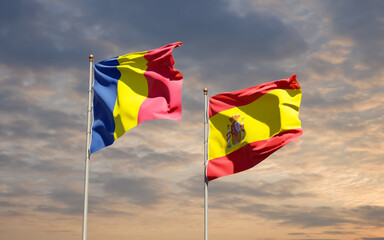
(250, 155)
(225, 101)
(164, 86)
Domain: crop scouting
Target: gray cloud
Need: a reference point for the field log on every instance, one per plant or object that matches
(374, 215)
(32, 120)
(19, 163)
(220, 189)
(146, 159)
(284, 189)
(11, 213)
(365, 29)
(70, 202)
(217, 40)
(307, 217)
(58, 210)
(299, 216)
(142, 191)
(35, 34)
(317, 239)
(9, 209)
(338, 232)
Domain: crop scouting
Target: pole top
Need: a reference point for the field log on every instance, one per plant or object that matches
(205, 91)
(90, 57)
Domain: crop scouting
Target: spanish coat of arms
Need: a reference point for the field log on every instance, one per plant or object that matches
(235, 130)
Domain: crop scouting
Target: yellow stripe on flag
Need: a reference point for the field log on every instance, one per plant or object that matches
(132, 90)
(274, 112)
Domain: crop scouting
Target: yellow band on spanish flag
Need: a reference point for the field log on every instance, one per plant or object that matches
(248, 125)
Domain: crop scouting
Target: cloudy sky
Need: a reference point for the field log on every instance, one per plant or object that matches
(149, 184)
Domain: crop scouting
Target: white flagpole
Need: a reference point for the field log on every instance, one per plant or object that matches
(88, 154)
(205, 164)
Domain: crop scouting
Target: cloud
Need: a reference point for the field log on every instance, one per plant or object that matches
(283, 189)
(287, 188)
(299, 216)
(217, 40)
(143, 191)
(10, 209)
(364, 30)
(312, 217)
(372, 215)
(35, 35)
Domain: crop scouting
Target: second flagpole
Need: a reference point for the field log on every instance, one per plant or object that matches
(205, 164)
(87, 152)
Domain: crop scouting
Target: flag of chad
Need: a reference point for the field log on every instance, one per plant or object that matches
(133, 88)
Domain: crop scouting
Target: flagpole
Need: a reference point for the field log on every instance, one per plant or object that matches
(88, 154)
(205, 164)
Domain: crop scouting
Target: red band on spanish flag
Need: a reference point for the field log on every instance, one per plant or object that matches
(247, 126)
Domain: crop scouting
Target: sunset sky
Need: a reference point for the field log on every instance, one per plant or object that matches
(148, 185)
